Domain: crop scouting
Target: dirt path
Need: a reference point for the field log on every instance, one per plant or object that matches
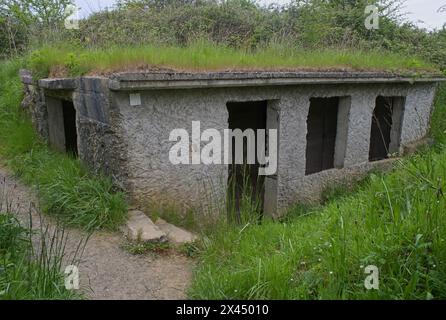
(106, 270)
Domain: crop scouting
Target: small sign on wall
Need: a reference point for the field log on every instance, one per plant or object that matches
(135, 99)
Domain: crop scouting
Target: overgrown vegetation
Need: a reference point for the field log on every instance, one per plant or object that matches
(205, 56)
(66, 189)
(142, 248)
(303, 25)
(32, 269)
(396, 221)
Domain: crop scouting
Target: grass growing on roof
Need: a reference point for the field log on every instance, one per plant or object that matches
(205, 56)
(65, 188)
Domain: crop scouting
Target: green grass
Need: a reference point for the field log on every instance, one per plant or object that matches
(203, 55)
(26, 274)
(65, 188)
(143, 248)
(394, 220)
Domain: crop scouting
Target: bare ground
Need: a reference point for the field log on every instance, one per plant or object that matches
(106, 270)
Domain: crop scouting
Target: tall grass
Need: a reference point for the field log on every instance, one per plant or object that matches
(65, 188)
(203, 55)
(395, 221)
(31, 262)
(243, 197)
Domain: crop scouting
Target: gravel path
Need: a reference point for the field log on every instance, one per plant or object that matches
(106, 270)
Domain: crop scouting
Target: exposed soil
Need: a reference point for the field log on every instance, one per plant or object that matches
(106, 270)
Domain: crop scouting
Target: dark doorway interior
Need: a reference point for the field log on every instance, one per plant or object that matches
(381, 129)
(246, 115)
(321, 137)
(69, 118)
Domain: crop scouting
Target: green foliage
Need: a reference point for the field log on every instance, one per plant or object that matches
(438, 119)
(26, 274)
(21, 20)
(393, 220)
(142, 248)
(12, 234)
(68, 191)
(203, 55)
(65, 188)
(323, 255)
(302, 24)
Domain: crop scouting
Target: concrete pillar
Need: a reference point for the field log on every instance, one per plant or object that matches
(342, 131)
(360, 123)
(398, 104)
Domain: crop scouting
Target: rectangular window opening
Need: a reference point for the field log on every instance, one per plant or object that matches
(385, 132)
(322, 127)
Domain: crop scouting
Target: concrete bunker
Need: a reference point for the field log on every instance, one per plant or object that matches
(324, 120)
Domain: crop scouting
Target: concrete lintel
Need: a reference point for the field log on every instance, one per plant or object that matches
(59, 84)
(182, 80)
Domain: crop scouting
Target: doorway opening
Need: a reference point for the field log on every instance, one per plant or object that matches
(386, 127)
(322, 126)
(69, 118)
(62, 125)
(246, 187)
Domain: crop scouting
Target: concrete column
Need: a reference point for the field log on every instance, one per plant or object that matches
(359, 127)
(417, 112)
(292, 147)
(398, 104)
(342, 131)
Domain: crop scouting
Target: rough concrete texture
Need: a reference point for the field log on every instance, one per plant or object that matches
(140, 227)
(174, 234)
(99, 129)
(131, 143)
(33, 103)
(147, 128)
(152, 177)
(232, 79)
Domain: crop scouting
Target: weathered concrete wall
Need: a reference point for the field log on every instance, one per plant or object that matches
(293, 184)
(131, 142)
(99, 129)
(98, 126)
(146, 130)
(33, 102)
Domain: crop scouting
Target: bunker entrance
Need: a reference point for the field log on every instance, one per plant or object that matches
(322, 125)
(246, 187)
(69, 119)
(62, 125)
(386, 127)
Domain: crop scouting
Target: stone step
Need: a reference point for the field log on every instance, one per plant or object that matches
(140, 227)
(174, 234)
